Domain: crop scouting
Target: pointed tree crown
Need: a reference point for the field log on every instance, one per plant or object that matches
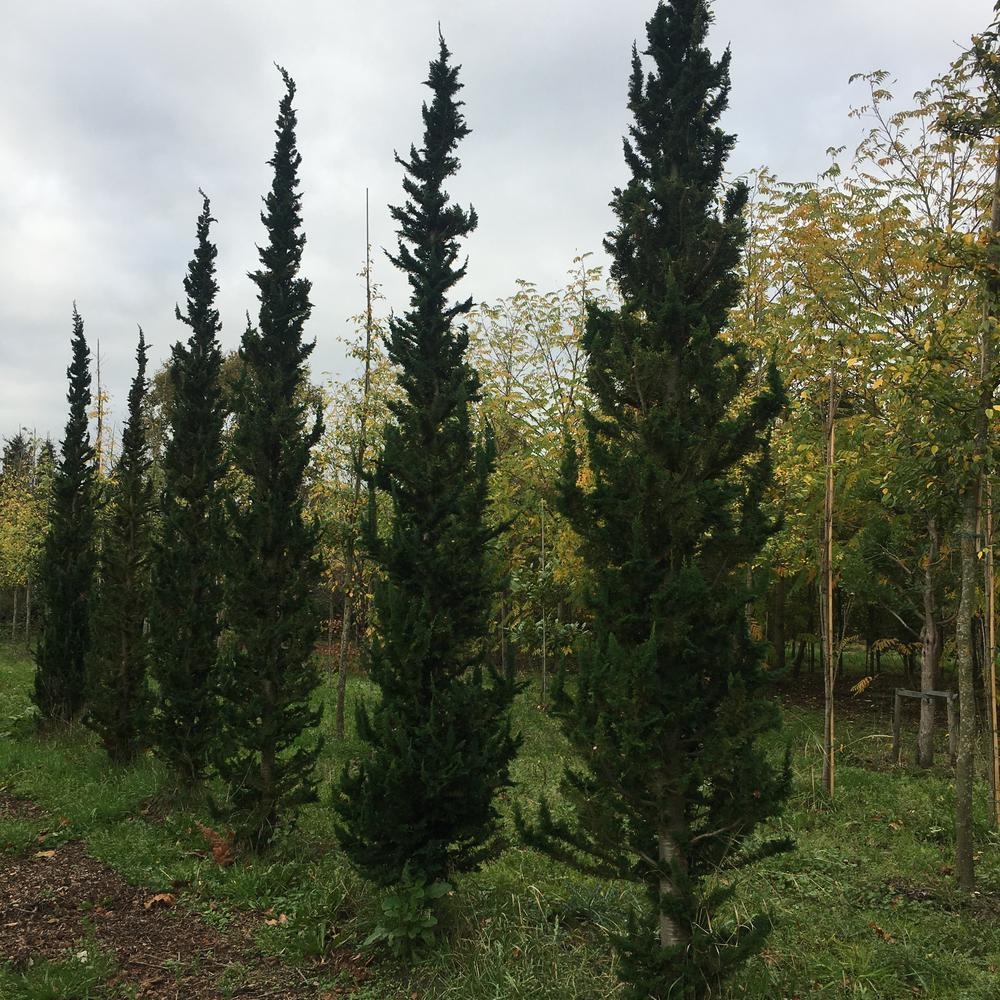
(672, 252)
(430, 228)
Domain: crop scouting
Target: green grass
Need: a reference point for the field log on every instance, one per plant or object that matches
(865, 908)
(79, 977)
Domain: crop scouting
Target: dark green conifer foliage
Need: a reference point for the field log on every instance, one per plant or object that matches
(671, 696)
(67, 566)
(18, 458)
(267, 677)
(188, 570)
(118, 701)
(439, 741)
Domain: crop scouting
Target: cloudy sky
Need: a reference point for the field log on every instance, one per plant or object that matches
(116, 111)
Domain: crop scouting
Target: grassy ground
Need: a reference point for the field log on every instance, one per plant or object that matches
(866, 907)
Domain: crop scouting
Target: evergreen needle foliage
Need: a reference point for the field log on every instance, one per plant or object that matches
(118, 702)
(67, 567)
(420, 805)
(267, 677)
(670, 698)
(18, 457)
(187, 593)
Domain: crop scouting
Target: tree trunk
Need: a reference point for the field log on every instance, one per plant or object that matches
(345, 628)
(27, 611)
(930, 650)
(778, 621)
(990, 671)
(964, 767)
(268, 792)
(505, 663)
(800, 654)
(672, 934)
(13, 620)
(971, 498)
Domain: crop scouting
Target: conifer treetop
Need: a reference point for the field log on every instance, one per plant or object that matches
(76, 442)
(676, 152)
(429, 230)
(135, 446)
(200, 285)
(283, 295)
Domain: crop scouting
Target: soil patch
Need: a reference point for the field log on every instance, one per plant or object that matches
(16, 807)
(58, 904)
(806, 691)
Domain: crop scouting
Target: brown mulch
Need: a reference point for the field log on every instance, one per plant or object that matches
(17, 807)
(56, 904)
(806, 691)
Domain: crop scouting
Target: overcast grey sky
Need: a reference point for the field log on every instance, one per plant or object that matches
(116, 111)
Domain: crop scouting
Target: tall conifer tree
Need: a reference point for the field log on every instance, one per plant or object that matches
(67, 567)
(671, 698)
(118, 702)
(267, 677)
(187, 589)
(439, 741)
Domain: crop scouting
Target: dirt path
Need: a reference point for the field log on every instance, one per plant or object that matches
(61, 903)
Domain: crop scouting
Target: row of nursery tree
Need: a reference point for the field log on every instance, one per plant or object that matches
(781, 400)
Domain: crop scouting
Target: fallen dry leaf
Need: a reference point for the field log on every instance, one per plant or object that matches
(160, 899)
(882, 933)
(222, 847)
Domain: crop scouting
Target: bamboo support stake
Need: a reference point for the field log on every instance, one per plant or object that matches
(830, 659)
(350, 558)
(542, 601)
(897, 720)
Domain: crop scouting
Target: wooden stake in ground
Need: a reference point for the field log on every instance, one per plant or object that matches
(931, 641)
(350, 558)
(99, 447)
(826, 597)
(541, 597)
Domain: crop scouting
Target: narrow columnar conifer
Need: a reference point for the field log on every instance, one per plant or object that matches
(66, 572)
(671, 696)
(118, 701)
(188, 560)
(267, 675)
(420, 805)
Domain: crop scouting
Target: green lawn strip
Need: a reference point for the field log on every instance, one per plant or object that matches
(80, 976)
(865, 907)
